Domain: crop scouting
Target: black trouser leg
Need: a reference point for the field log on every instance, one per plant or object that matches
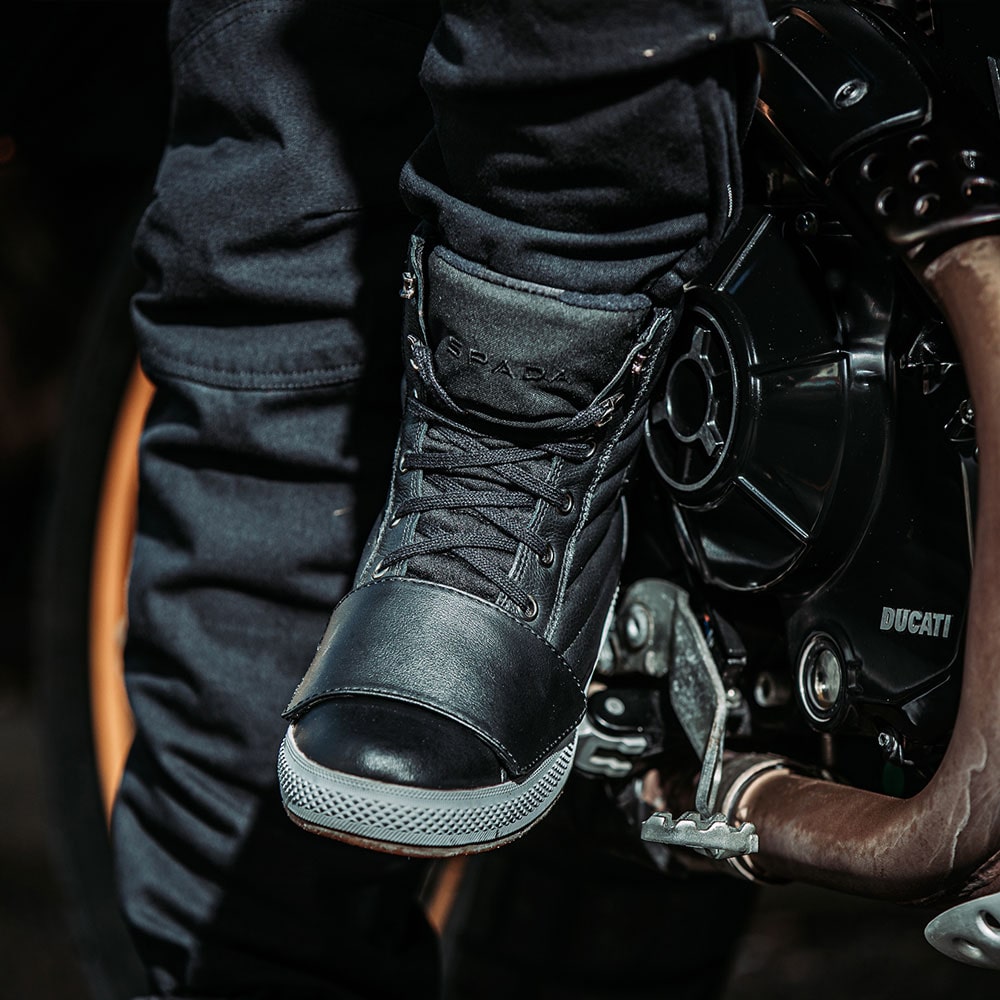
(584, 144)
(269, 325)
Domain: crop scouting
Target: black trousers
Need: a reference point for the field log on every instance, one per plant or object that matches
(587, 145)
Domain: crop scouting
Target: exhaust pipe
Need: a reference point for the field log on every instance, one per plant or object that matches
(941, 846)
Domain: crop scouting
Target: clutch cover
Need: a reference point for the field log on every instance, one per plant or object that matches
(813, 433)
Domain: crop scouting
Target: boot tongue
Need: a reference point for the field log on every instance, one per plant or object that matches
(515, 352)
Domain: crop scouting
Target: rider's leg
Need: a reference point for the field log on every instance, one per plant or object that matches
(267, 281)
(583, 166)
(269, 326)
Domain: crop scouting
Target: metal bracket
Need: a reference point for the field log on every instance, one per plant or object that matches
(675, 642)
(607, 755)
(620, 728)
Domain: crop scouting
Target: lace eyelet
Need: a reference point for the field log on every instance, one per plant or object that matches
(547, 557)
(401, 465)
(380, 570)
(395, 522)
(413, 344)
(530, 613)
(591, 448)
(566, 504)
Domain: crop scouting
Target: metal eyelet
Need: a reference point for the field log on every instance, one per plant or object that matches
(395, 522)
(609, 405)
(566, 504)
(402, 463)
(530, 613)
(380, 570)
(548, 556)
(591, 448)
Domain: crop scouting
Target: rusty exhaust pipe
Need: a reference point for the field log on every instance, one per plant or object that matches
(942, 845)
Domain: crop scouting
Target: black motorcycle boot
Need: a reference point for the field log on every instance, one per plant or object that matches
(439, 715)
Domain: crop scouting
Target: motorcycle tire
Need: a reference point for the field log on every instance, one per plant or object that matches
(79, 627)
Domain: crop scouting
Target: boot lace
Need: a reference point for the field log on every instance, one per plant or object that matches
(489, 479)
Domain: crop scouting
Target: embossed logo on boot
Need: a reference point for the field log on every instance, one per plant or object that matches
(498, 365)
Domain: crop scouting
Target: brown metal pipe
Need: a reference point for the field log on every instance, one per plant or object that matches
(942, 845)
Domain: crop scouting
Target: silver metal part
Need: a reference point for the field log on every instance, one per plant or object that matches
(821, 678)
(743, 864)
(614, 706)
(969, 932)
(637, 627)
(691, 407)
(643, 637)
(697, 694)
(677, 647)
(713, 836)
(850, 93)
(890, 746)
(924, 359)
(606, 755)
(806, 224)
(961, 426)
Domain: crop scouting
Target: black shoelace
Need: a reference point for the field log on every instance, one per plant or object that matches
(470, 463)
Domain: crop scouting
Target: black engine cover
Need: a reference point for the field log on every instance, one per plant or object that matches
(809, 431)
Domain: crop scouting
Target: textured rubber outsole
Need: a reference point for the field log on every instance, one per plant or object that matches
(423, 822)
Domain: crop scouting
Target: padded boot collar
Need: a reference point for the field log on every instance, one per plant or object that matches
(518, 353)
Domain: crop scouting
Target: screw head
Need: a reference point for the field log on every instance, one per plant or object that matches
(614, 706)
(637, 627)
(822, 680)
(806, 223)
(850, 93)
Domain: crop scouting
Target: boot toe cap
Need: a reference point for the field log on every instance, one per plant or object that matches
(395, 742)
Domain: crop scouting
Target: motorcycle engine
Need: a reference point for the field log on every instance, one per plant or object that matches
(814, 454)
(805, 522)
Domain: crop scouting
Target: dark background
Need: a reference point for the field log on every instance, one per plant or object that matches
(83, 105)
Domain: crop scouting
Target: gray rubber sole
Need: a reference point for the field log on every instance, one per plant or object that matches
(424, 822)
(417, 821)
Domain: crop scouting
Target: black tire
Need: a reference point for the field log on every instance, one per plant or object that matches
(62, 626)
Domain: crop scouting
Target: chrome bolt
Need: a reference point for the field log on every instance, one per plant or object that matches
(806, 223)
(614, 706)
(827, 679)
(821, 678)
(637, 627)
(891, 747)
(850, 93)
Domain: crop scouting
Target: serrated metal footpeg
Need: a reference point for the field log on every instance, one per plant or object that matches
(676, 638)
(713, 836)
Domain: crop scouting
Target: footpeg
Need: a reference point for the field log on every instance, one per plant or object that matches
(713, 836)
(663, 637)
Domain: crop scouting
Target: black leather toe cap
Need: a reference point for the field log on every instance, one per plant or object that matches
(395, 742)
